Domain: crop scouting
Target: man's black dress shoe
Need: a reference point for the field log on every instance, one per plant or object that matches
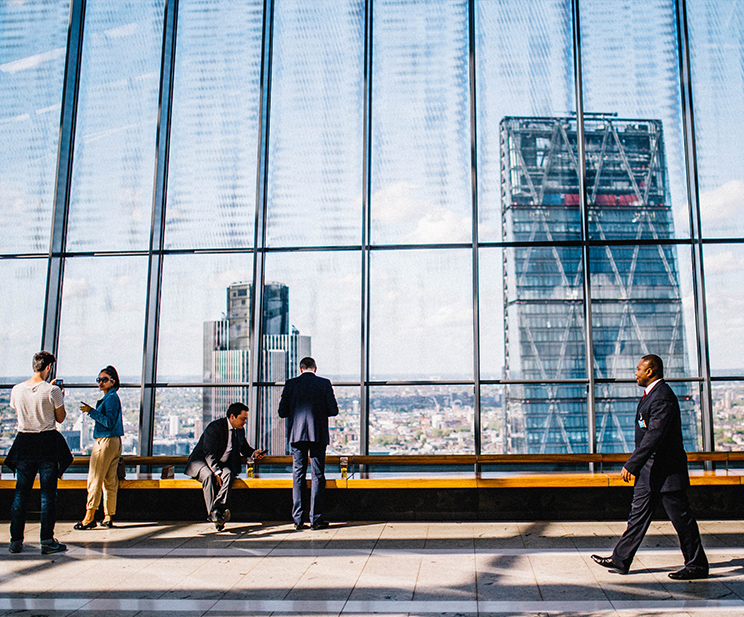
(319, 525)
(299, 526)
(688, 574)
(606, 562)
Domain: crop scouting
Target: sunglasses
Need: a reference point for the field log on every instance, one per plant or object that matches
(103, 379)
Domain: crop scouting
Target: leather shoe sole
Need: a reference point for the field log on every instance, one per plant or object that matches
(685, 574)
(606, 562)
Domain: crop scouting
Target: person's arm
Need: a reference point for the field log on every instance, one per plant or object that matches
(107, 413)
(60, 413)
(660, 415)
(211, 445)
(284, 401)
(331, 404)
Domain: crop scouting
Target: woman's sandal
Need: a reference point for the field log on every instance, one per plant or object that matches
(80, 525)
(109, 524)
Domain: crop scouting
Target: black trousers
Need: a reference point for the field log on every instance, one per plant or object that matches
(645, 502)
(215, 498)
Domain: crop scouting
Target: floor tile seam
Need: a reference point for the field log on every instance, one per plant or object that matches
(356, 581)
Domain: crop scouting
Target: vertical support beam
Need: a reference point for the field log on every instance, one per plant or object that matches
(63, 182)
(256, 308)
(474, 193)
(157, 232)
(693, 192)
(584, 205)
(366, 230)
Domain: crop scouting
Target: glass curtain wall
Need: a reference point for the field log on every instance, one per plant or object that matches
(394, 187)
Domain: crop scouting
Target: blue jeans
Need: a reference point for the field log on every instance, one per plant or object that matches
(25, 473)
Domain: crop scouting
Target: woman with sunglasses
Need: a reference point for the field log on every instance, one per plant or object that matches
(104, 458)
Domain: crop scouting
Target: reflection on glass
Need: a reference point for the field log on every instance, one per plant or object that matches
(33, 36)
(724, 272)
(315, 154)
(631, 71)
(616, 406)
(78, 427)
(23, 282)
(117, 120)
(323, 305)
(716, 30)
(214, 132)
(524, 68)
(493, 420)
(491, 313)
(421, 315)
(194, 296)
(728, 415)
(103, 315)
(420, 123)
(637, 308)
(421, 420)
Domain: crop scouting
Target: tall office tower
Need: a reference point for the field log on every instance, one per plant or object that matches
(636, 296)
(227, 360)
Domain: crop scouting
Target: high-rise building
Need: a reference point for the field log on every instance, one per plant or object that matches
(637, 303)
(227, 360)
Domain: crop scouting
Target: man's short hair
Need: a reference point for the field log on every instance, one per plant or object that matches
(655, 363)
(42, 359)
(236, 409)
(308, 364)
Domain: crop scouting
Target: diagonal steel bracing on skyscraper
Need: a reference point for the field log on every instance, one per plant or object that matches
(637, 299)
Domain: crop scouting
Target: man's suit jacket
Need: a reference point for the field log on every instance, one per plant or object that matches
(308, 401)
(211, 447)
(659, 461)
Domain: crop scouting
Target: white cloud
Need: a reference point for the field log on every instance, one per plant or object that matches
(724, 202)
(398, 203)
(723, 263)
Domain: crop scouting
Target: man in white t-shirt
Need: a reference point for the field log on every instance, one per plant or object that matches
(39, 405)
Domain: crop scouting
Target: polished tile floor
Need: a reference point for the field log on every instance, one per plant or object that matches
(536, 569)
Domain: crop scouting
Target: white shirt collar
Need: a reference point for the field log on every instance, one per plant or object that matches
(650, 386)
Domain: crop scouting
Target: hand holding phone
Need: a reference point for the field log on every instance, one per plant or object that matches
(84, 407)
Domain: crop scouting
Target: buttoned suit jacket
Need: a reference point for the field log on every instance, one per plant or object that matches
(308, 401)
(211, 447)
(659, 461)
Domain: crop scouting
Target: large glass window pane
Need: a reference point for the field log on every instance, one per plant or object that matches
(214, 132)
(716, 30)
(524, 72)
(314, 300)
(421, 315)
(315, 156)
(343, 428)
(103, 317)
(421, 420)
(641, 304)
(78, 427)
(24, 284)
(724, 272)
(545, 419)
(420, 122)
(180, 419)
(616, 406)
(491, 313)
(728, 420)
(493, 420)
(635, 160)
(33, 37)
(112, 179)
(204, 318)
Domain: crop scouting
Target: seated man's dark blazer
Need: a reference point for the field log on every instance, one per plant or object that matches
(659, 461)
(211, 447)
(308, 401)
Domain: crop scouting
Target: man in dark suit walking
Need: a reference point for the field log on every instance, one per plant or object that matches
(308, 401)
(659, 464)
(215, 461)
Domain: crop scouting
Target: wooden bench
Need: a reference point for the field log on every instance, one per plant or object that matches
(357, 472)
